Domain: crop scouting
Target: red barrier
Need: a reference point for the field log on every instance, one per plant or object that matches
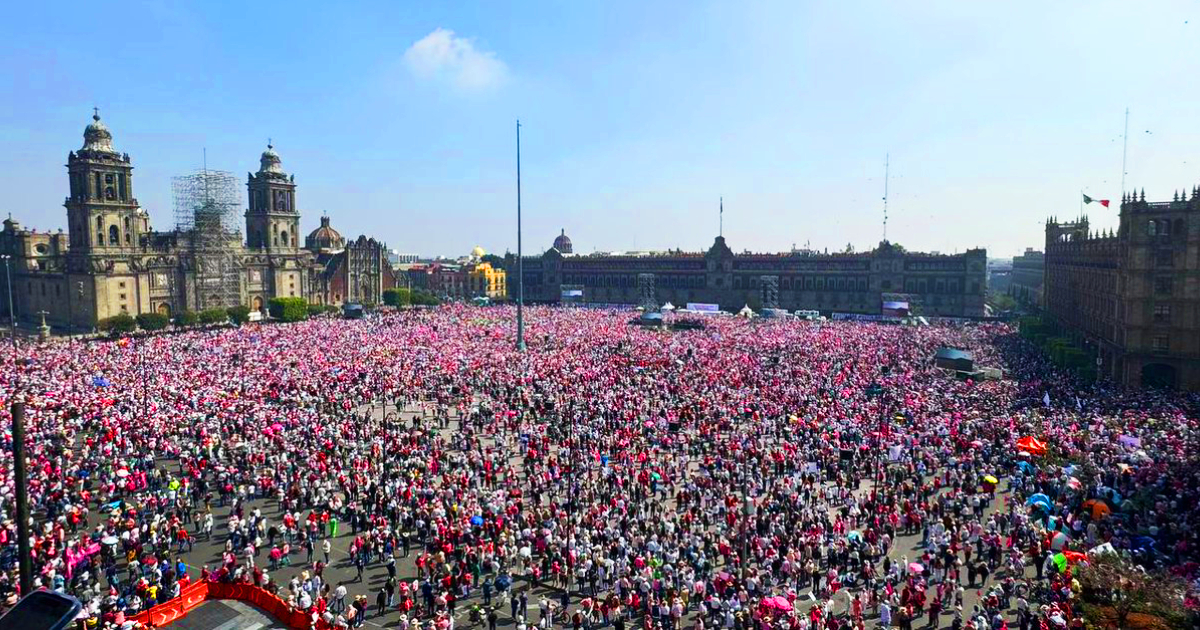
(198, 593)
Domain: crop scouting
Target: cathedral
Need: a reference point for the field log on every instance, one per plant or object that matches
(110, 261)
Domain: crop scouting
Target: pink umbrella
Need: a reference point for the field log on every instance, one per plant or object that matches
(915, 567)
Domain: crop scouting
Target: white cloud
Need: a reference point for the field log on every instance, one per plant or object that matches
(443, 56)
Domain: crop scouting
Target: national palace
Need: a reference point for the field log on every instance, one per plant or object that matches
(942, 285)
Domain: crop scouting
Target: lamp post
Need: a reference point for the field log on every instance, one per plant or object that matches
(12, 312)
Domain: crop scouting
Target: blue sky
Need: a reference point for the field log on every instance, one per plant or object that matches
(397, 118)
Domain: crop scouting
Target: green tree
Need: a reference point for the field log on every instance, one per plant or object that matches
(397, 297)
(288, 309)
(117, 325)
(239, 314)
(213, 316)
(497, 262)
(315, 309)
(186, 318)
(152, 321)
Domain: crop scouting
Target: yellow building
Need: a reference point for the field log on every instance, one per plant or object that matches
(485, 281)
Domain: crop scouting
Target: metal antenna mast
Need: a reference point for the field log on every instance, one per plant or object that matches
(520, 257)
(886, 174)
(1124, 152)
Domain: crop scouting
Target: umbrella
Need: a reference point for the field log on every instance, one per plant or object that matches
(123, 473)
(477, 520)
(1074, 556)
(991, 479)
(1031, 445)
(854, 536)
(1074, 483)
(277, 427)
(1037, 498)
(1060, 561)
(109, 540)
(1098, 508)
(1059, 540)
(779, 603)
(1026, 467)
(915, 567)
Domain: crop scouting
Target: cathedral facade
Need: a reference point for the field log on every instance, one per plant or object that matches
(110, 261)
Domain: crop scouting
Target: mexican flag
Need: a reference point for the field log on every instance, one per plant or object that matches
(1103, 202)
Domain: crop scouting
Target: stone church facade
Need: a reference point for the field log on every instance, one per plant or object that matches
(110, 261)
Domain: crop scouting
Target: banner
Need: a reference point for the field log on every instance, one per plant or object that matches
(702, 307)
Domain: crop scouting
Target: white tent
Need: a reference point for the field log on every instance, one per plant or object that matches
(668, 307)
(746, 312)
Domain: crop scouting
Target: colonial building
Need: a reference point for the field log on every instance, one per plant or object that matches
(1028, 274)
(466, 278)
(110, 261)
(932, 284)
(1133, 295)
(357, 271)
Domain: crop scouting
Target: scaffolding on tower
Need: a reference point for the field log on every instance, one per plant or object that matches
(208, 206)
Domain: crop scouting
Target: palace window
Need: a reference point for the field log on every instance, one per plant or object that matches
(1162, 313)
(1162, 343)
(1164, 259)
(1162, 286)
(114, 235)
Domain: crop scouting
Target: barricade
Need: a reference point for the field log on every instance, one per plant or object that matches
(198, 593)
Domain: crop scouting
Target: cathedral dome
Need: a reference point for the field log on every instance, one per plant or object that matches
(96, 136)
(270, 162)
(478, 252)
(563, 243)
(324, 238)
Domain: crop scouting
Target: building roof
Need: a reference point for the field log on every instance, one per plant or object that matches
(96, 136)
(324, 238)
(563, 243)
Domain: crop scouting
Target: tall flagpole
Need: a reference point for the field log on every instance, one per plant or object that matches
(887, 161)
(520, 257)
(721, 225)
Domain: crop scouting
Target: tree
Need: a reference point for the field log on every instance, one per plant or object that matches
(495, 261)
(1110, 580)
(239, 314)
(117, 325)
(315, 309)
(288, 309)
(424, 298)
(213, 316)
(186, 318)
(152, 321)
(397, 297)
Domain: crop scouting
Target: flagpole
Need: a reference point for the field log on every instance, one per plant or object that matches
(1124, 152)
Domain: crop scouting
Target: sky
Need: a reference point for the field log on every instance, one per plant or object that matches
(398, 119)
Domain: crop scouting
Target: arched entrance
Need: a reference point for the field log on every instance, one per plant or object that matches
(257, 303)
(1158, 375)
(164, 309)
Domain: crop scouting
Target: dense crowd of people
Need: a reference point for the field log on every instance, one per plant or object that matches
(750, 474)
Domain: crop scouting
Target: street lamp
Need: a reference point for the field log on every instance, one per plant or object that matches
(12, 312)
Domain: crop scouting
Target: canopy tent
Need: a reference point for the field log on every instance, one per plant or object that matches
(746, 312)
(954, 359)
(667, 307)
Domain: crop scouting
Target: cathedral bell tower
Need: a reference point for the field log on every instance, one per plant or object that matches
(272, 222)
(102, 214)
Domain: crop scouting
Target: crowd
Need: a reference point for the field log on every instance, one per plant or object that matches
(766, 474)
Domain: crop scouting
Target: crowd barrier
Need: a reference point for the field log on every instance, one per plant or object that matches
(198, 593)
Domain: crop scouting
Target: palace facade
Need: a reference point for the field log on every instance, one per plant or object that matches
(944, 285)
(1133, 295)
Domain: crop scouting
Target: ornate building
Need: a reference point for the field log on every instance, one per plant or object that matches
(348, 271)
(932, 284)
(1028, 274)
(110, 261)
(1134, 296)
